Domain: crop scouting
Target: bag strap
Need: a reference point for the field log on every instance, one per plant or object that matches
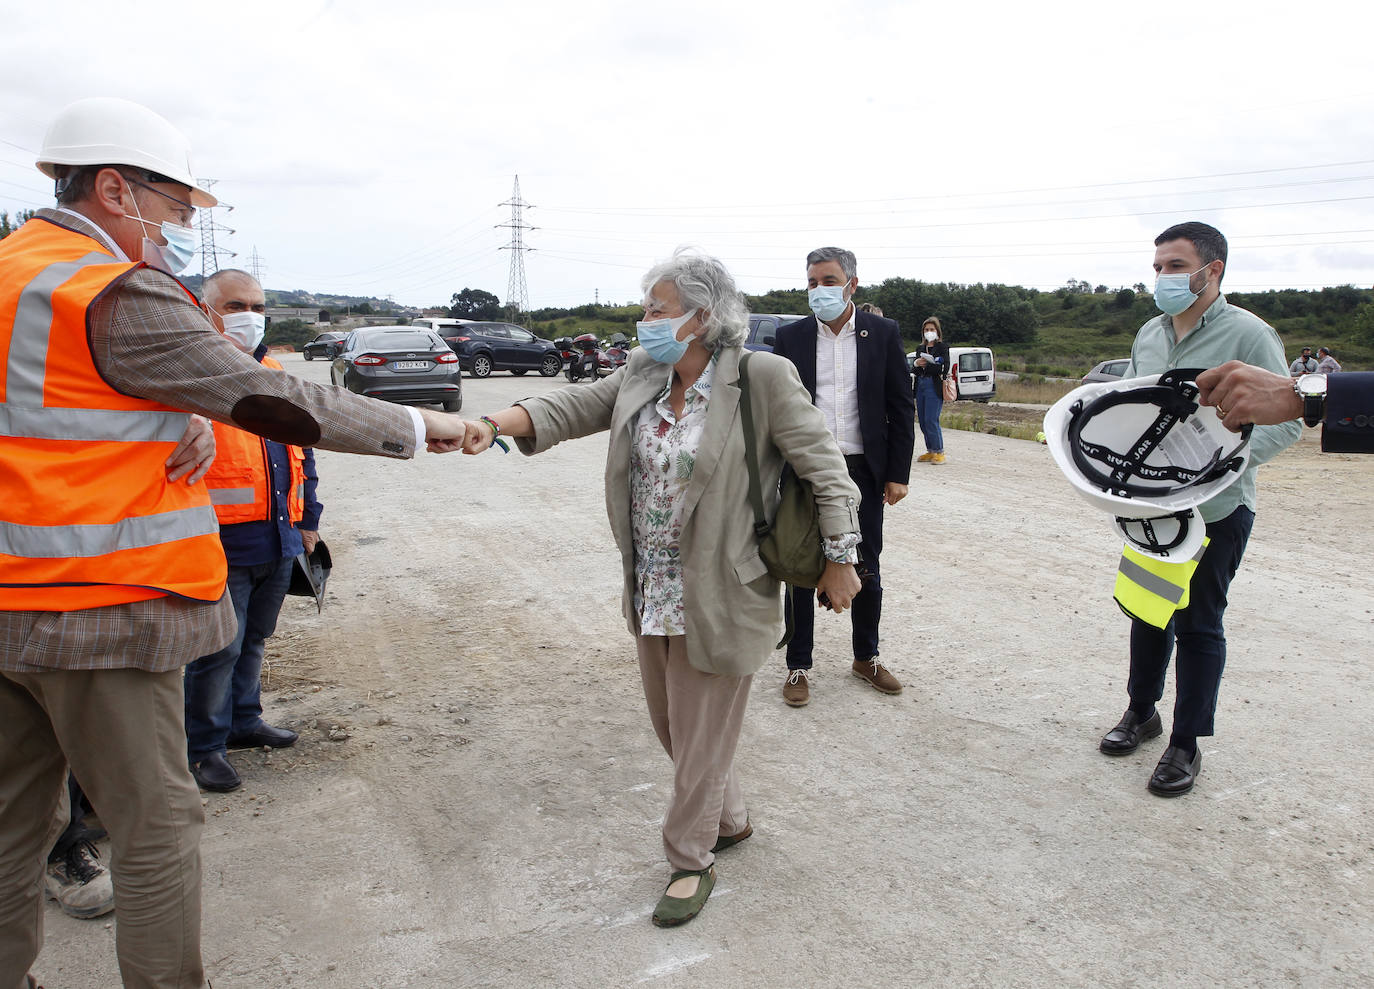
(751, 456)
(751, 459)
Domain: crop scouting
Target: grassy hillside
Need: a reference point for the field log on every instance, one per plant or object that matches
(1095, 327)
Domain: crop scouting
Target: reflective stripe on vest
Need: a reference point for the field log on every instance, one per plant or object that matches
(87, 518)
(1151, 589)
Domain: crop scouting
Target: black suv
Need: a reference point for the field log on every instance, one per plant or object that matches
(486, 347)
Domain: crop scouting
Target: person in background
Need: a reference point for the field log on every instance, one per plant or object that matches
(704, 610)
(1326, 364)
(932, 367)
(264, 497)
(1304, 363)
(1198, 328)
(852, 365)
(75, 878)
(870, 308)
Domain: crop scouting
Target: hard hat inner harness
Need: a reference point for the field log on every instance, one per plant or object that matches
(1176, 395)
(1149, 538)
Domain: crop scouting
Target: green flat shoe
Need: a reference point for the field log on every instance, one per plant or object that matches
(674, 910)
(725, 841)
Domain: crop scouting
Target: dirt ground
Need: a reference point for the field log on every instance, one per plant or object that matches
(476, 794)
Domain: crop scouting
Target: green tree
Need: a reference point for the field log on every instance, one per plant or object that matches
(295, 332)
(474, 303)
(20, 218)
(1363, 324)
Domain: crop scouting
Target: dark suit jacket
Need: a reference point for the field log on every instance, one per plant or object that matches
(1349, 413)
(887, 411)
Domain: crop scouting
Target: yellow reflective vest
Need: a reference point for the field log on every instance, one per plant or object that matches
(1150, 589)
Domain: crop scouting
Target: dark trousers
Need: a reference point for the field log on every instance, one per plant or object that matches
(76, 831)
(1197, 631)
(868, 604)
(224, 689)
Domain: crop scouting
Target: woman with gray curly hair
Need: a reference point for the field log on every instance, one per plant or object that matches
(704, 611)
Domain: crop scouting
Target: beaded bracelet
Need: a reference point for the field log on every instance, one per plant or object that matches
(495, 433)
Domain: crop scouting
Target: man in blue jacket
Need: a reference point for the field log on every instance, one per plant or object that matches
(853, 365)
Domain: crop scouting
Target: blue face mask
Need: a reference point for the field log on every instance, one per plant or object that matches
(659, 337)
(1172, 293)
(827, 301)
(176, 254)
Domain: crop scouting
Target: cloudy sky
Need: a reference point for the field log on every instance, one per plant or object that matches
(367, 147)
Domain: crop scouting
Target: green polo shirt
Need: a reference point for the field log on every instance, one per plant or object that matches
(1224, 333)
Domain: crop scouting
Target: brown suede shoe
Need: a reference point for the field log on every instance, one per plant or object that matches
(796, 689)
(876, 675)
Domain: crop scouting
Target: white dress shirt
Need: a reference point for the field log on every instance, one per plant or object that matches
(837, 383)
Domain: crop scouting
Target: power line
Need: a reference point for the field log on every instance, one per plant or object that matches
(971, 195)
(209, 252)
(256, 266)
(517, 293)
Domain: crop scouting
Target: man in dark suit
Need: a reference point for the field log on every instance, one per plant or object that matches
(853, 365)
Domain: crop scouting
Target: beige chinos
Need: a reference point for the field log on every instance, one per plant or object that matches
(123, 732)
(697, 716)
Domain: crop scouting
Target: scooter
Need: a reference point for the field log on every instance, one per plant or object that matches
(582, 358)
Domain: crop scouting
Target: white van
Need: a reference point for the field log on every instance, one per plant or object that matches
(973, 372)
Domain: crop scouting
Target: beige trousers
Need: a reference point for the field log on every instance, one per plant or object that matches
(122, 731)
(697, 716)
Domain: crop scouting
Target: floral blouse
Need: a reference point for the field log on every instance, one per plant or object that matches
(661, 461)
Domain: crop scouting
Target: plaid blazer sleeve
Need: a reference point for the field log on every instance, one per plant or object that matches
(150, 340)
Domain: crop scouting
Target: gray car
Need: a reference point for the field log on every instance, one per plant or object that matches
(400, 364)
(1111, 370)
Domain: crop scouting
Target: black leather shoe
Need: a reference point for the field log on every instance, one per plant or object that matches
(1126, 737)
(214, 773)
(1176, 772)
(263, 734)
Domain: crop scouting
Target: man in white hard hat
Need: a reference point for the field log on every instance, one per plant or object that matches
(113, 579)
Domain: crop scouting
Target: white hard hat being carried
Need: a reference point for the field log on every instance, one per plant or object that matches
(1147, 453)
(104, 130)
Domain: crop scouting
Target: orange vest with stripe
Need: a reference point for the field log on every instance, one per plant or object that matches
(240, 480)
(87, 516)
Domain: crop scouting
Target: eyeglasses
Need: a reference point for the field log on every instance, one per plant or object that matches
(185, 212)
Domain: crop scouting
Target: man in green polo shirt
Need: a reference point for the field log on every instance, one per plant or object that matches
(1198, 329)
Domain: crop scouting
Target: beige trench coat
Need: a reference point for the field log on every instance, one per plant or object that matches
(733, 609)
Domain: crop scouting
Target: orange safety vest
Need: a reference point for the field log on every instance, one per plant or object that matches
(87, 516)
(240, 482)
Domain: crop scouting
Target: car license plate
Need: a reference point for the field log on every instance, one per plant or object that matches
(411, 365)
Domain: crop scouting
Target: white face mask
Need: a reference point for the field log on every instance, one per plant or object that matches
(245, 329)
(931, 336)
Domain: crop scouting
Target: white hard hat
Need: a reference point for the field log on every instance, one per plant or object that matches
(104, 130)
(1175, 537)
(1143, 448)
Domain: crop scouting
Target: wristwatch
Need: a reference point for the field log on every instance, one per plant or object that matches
(1311, 388)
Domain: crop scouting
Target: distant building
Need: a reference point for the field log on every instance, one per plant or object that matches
(310, 316)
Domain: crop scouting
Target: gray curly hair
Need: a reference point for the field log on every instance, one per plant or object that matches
(704, 284)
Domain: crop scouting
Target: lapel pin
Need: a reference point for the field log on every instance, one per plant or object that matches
(863, 333)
